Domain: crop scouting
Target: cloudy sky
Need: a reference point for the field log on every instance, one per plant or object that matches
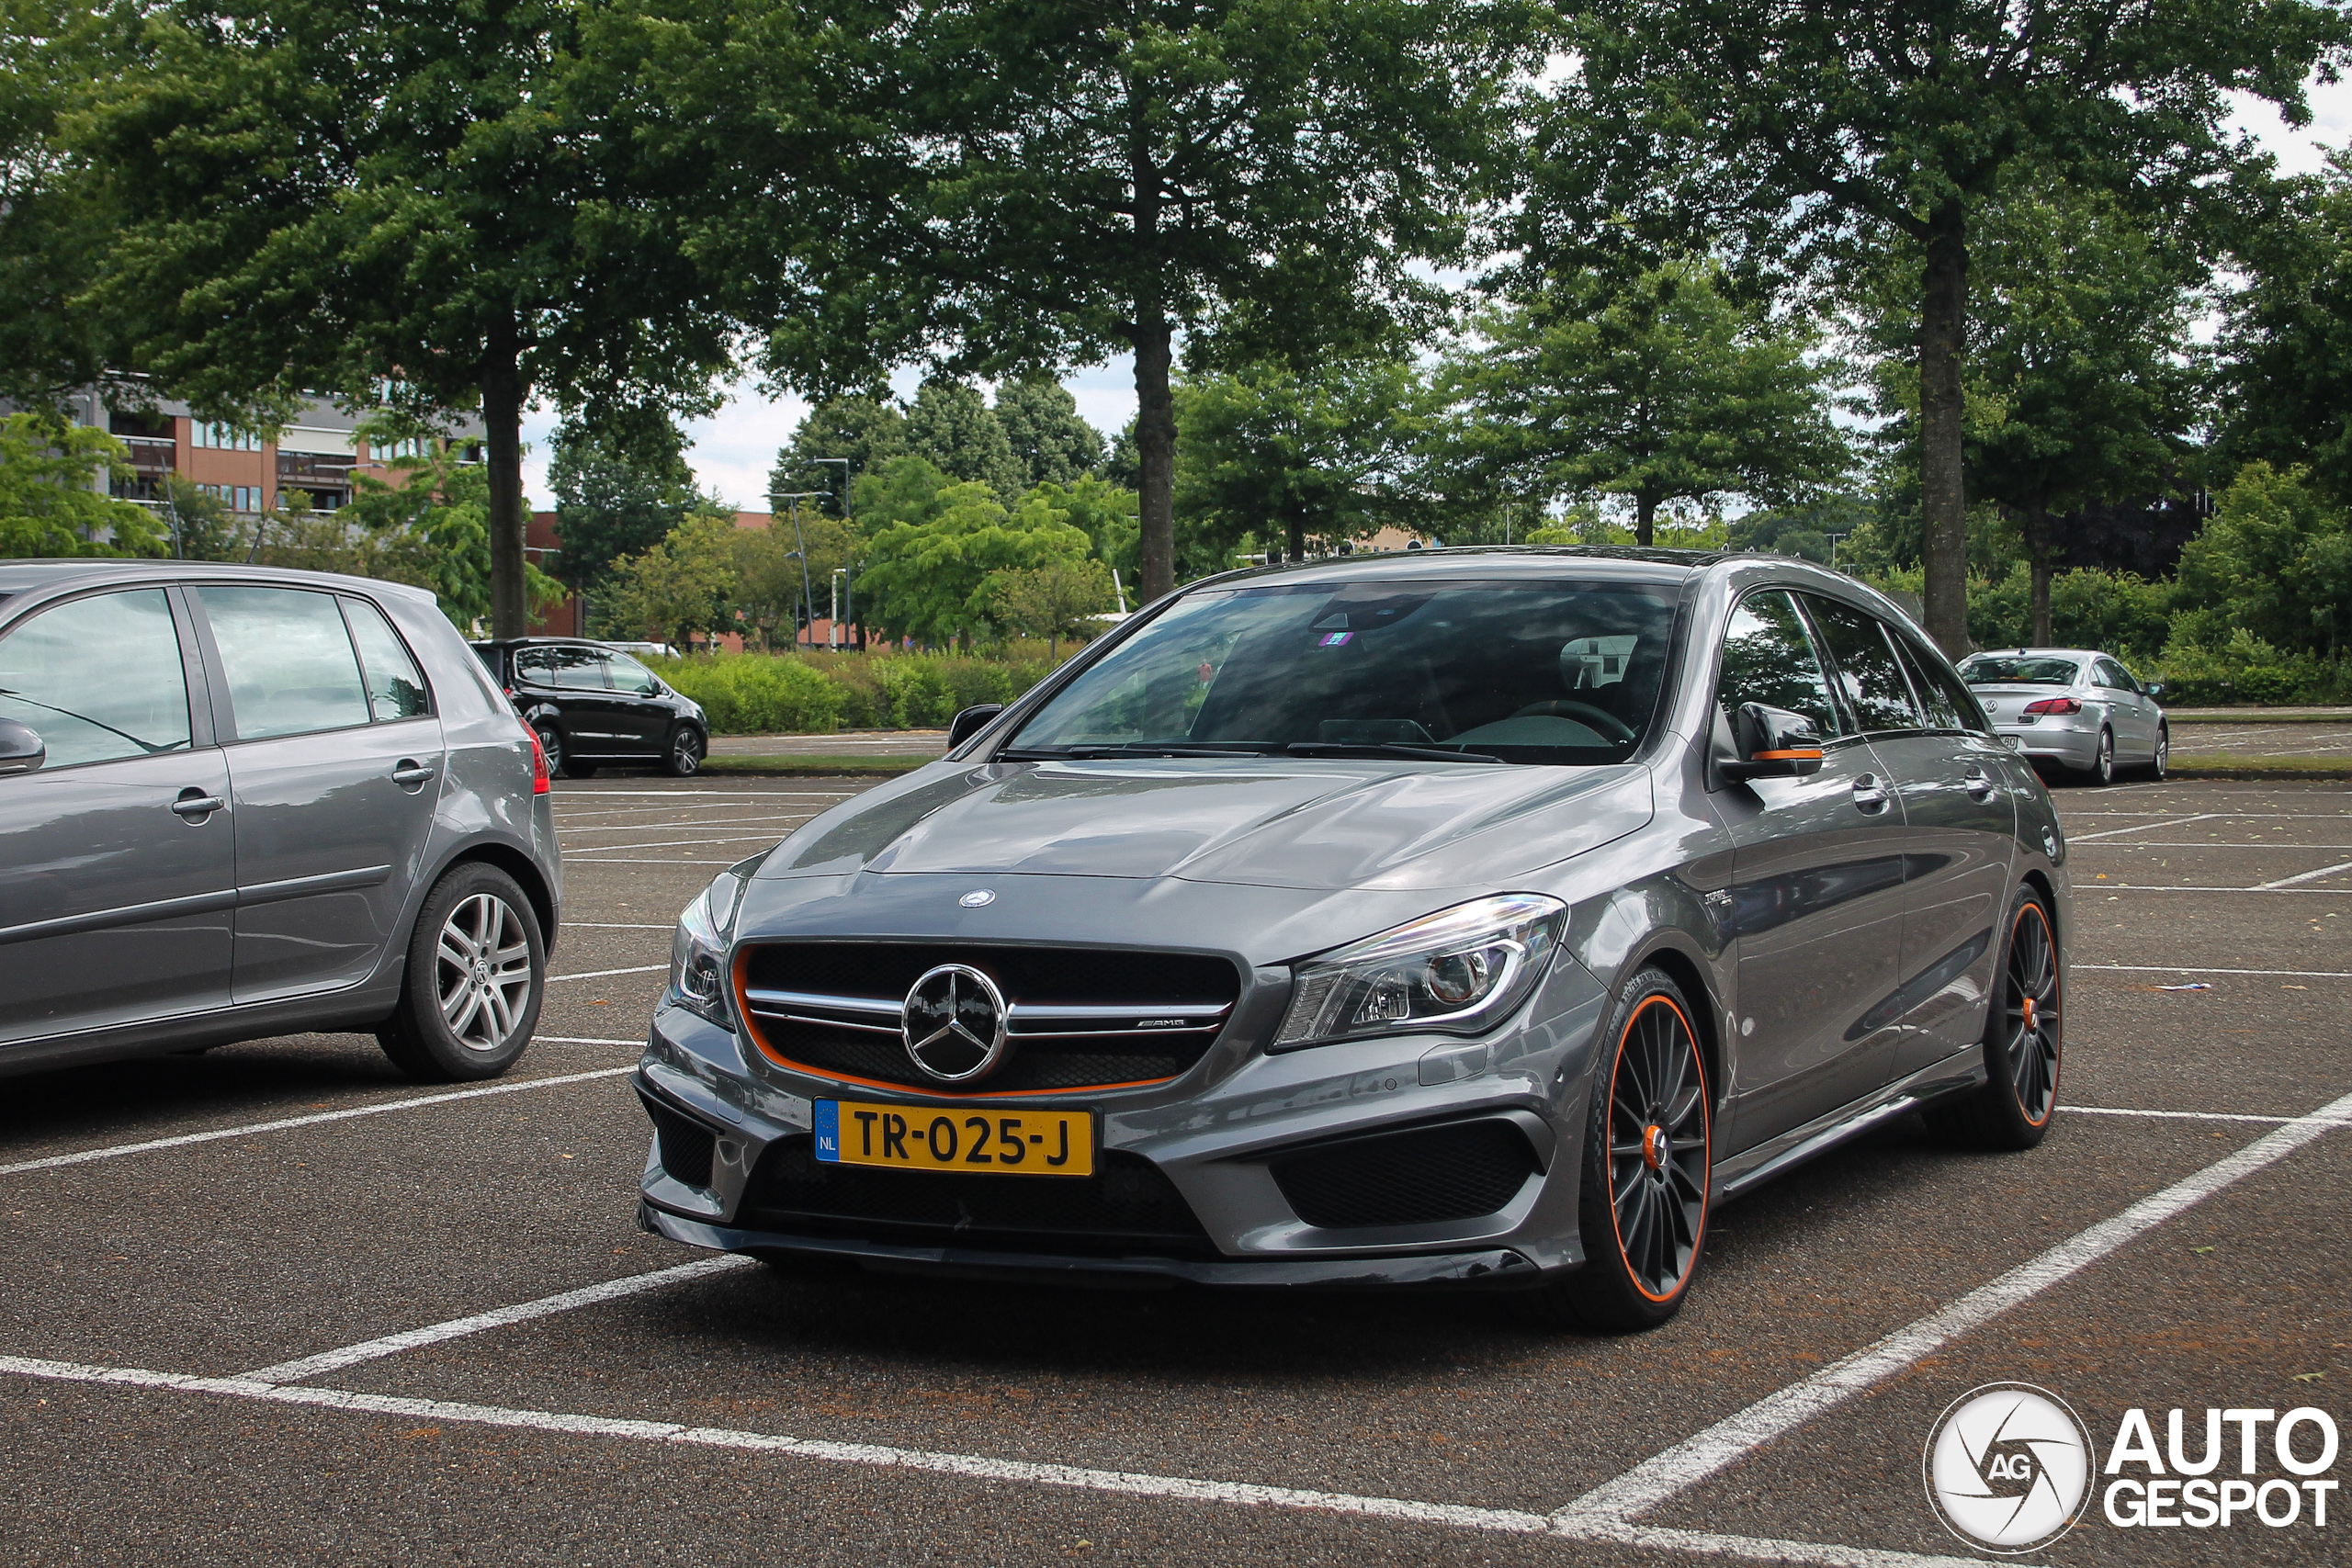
(731, 450)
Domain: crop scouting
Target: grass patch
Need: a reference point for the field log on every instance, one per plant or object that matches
(802, 765)
(2241, 765)
(2234, 718)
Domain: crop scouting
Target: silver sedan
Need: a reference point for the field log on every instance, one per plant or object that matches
(2077, 708)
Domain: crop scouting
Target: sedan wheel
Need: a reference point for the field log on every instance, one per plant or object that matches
(1649, 1153)
(684, 756)
(477, 967)
(2023, 1032)
(2160, 767)
(2103, 765)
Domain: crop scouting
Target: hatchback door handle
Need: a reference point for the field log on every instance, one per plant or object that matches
(411, 772)
(1978, 784)
(1867, 793)
(196, 803)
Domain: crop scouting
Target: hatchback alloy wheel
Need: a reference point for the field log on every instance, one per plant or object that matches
(2029, 1009)
(483, 972)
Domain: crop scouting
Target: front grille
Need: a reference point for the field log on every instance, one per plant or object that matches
(1126, 1207)
(1080, 1018)
(1453, 1172)
(686, 1145)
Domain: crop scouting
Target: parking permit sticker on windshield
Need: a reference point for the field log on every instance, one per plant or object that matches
(1335, 639)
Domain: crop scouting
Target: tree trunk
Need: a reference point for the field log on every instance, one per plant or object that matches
(1943, 337)
(1645, 518)
(1297, 540)
(502, 412)
(2037, 555)
(1156, 442)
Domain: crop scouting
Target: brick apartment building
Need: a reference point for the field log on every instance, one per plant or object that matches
(317, 454)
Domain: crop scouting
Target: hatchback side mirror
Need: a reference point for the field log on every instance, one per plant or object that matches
(970, 722)
(21, 747)
(1773, 743)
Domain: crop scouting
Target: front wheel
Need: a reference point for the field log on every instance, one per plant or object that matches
(2160, 766)
(683, 758)
(1648, 1158)
(2023, 1031)
(477, 970)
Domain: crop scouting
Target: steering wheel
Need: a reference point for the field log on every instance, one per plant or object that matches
(1607, 723)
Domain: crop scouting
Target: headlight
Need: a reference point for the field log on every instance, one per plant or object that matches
(1458, 970)
(698, 951)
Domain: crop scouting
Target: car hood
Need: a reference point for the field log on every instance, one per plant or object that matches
(1263, 822)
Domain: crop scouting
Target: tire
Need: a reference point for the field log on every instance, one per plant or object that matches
(683, 759)
(2101, 772)
(1646, 1182)
(463, 1014)
(2024, 1033)
(2160, 766)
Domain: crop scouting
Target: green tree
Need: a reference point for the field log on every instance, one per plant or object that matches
(768, 580)
(475, 203)
(1108, 515)
(2275, 561)
(1079, 179)
(2080, 385)
(677, 588)
(199, 524)
(1296, 456)
(1053, 601)
(929, 580)
(1842, 122)
(608, 506)
(48, 502)
(904, 489)
(1051, 445)
(1659, 390)
(2286, 347)
(865, 430)
(951, 427)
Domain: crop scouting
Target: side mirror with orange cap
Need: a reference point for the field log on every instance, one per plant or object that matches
(1773, 743)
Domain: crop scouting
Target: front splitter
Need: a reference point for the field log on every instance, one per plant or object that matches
(1494, 1268)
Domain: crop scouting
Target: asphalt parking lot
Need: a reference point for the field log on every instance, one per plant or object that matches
(273, 1303)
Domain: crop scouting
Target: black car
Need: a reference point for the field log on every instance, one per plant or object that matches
(591, 704)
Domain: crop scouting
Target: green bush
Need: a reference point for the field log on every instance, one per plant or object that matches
(2112, 611)
(762, 693)
(2245, 668)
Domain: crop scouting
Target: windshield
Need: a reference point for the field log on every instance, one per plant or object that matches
(1519, 671)
(2014, 669)
(628, 675)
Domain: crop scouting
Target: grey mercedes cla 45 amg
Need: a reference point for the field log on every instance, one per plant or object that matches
(1479, 917)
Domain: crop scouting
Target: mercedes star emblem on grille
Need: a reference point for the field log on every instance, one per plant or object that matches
(953, 1022)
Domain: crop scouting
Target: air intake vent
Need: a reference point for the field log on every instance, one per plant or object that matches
(1454, 1172)
(686, 1144)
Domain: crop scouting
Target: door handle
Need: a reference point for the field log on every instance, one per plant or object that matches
(411, 771)
(196, 803)
(1867, 793)
(1978, 784)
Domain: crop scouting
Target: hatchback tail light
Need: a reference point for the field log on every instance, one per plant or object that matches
(539, 783)
(2054, 704)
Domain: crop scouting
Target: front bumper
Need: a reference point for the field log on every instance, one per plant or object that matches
(1214, 1138)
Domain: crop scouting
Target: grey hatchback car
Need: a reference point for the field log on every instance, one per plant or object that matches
(237, 803)
(1479, 917)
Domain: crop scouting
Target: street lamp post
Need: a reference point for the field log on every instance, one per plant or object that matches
(808, 592)
(848, 469)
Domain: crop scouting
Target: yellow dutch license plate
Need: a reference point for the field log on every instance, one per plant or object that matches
(919, 1137)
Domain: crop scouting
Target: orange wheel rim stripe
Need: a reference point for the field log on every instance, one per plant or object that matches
(1706, 1121)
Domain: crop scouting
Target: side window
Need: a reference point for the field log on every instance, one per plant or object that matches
(628, 675)
(534, 667)
(1868, 673)
(99, 678)
(2107, 673)
(395, 686)
(1941, 688)
(1769, 658)
(290, 662)
(577, 669)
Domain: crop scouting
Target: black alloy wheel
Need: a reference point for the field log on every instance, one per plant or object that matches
(1649, 1155)
(683, 758)
(2024, 1030)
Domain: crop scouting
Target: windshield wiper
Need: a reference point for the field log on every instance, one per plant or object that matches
(1124, 748)
(1385, 749)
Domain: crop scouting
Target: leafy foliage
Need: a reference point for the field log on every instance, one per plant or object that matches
(866, 431)
(47, 507)
(609, 505)
(952, 428)
(2275, 562)
(678, 587)
(1051, 445)
(929, 580)
(1053, 601)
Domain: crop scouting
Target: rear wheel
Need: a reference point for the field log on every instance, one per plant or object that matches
(2102, 768)
(2023, 1031)
(1649, 1148)
(683, 758)
(476, 969)
(2161, 763)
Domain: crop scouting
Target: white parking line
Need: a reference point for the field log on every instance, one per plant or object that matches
(608, 974)
(457, 1328)
(2159, 887)
(2202, 969)
(691, 822)
(2316, 1120)
(2218, 844)
(618, 925)
(2286, 881)
(667, 860)
(581, 1040)
(1686, 1464)
(712, 794)
(674, 844)
(2144, 827)
(976, 1467)
(414, 1102)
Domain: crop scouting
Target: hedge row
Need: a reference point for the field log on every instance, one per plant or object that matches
(763, 693)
